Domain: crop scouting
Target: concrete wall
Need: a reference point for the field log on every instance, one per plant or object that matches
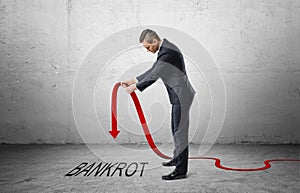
(255, 43)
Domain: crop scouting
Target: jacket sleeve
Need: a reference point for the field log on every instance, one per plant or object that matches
(142, 76)
(149, 77)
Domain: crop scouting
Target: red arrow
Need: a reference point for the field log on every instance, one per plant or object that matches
(153, 146)
(114, 133)
(114, 124)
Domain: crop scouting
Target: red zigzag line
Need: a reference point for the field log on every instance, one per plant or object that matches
(162, 155)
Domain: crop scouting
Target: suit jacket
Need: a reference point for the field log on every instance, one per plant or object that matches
(170, 67)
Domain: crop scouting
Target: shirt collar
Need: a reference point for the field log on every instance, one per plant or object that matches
(161, 42)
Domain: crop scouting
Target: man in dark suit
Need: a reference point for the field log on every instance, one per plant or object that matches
(170, 67)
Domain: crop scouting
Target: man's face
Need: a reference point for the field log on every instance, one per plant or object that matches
(153, 47)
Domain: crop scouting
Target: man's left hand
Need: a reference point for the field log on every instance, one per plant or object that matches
(130, 89)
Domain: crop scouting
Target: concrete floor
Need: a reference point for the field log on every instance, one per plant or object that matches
(42, 168)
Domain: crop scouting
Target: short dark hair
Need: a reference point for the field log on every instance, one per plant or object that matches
(148, 35)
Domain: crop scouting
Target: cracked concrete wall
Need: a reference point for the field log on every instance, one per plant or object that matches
(255, 43)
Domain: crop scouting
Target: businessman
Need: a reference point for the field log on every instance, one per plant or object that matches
(170, 67)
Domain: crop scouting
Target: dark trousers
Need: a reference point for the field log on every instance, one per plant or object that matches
(180, 127)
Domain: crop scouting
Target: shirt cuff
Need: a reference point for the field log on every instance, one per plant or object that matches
(136, 80)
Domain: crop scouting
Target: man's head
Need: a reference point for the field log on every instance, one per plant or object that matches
(150, 40)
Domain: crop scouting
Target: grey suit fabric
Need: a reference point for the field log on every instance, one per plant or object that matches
(170, 67)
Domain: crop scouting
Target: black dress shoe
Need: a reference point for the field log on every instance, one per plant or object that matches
(174, 176)
(170, 163)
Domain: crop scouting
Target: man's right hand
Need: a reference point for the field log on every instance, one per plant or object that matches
(127, 83)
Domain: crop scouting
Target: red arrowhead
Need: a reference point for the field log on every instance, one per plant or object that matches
(114, 122)
(114, 133)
